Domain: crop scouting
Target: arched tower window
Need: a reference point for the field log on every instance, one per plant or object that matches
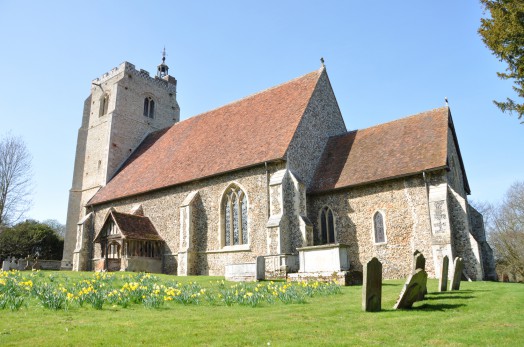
(379, 229)
(327, 226)
(104, 103)
(149, 107)
(234, 210)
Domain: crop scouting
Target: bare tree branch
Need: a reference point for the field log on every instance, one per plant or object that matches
(15, 180)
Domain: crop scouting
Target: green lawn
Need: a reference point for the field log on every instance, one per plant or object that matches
(480, 314)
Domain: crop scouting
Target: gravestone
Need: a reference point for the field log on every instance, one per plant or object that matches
(415, 260)
(372, 286)
(443, 281)
(457, 273)
(413, 289)
(261, 268)
(419, 262)
(6, 265)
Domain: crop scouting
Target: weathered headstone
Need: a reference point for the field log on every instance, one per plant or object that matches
(443, 281)
(6, 265)
(415, 285)
(261, 268)
(372, 286)
(420, 262)
(457, 273)
(415, 260)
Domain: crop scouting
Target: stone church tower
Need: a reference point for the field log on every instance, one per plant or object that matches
(124, 106)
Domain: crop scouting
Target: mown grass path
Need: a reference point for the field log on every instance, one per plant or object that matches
(480, 314)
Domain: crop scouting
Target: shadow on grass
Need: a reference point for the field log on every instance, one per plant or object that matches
(443, 297)
(437, 307)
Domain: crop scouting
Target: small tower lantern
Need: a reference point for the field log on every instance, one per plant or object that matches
(163, 69)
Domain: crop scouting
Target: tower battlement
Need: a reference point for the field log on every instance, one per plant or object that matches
(169, 83)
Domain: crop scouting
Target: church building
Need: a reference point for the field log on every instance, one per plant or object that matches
(275, 179)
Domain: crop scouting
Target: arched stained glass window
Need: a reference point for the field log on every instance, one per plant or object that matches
(327, 226)
(234, 206)
(378, 228)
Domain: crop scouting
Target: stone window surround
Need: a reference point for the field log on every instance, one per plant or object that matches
(104, 104)
(319, 218)
(222, 228)
(383, 214)
(149, 112)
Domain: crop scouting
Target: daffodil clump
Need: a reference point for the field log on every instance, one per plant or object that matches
(116, 290)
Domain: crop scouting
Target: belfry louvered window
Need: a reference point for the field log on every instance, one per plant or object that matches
(149, 107)
(234, 206)
(327, 226)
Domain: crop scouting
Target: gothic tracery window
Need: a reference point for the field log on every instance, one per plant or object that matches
(234, 209)
(378, 227)
(149, 107)
(327, 226)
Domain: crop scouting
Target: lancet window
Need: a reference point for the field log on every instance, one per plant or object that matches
(379, 229)
(327, 226)
(104, 103)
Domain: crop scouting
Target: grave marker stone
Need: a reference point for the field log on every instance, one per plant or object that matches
(457, 273)
(443, 281)
(372, 286)
(414, 287)
(415, 260)
(6, 265)
(420, 262)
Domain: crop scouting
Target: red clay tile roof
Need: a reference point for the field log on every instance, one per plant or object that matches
(399, 148)
(244, 133)
(135, 227)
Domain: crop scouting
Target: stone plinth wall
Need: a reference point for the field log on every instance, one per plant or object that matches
(143, 264)
(343, 278)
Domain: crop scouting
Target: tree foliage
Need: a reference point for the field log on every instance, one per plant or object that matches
(58, 227)
(505, 226)
(31, 238)
(15, 180)
(503, 34)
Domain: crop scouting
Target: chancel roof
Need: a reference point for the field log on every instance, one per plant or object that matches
(244, 133)
(403, 147)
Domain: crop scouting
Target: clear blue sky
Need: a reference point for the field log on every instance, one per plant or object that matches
(385, 59)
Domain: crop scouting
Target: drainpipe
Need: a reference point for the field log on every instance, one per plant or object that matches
(427, 199)
(90, 239)
(267, 191)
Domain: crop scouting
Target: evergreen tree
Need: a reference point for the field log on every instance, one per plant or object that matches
(503, 34)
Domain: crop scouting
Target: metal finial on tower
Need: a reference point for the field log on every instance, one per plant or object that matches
(163, 69)
(446, 99)
(322, 61)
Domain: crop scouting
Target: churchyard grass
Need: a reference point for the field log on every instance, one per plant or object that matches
(481, 313)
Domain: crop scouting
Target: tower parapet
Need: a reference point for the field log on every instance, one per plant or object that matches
(167, 81)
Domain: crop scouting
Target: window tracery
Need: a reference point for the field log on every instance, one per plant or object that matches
(149, 107)
(327, 226)
(234, 209)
